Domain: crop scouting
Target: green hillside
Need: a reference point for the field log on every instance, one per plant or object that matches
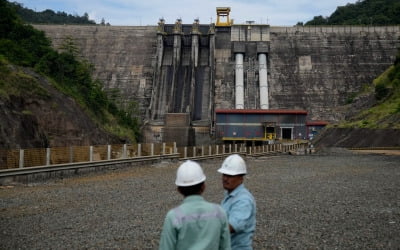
(363, 12)
(23, 46)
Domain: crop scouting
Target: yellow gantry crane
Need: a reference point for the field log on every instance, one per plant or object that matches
(223, 17)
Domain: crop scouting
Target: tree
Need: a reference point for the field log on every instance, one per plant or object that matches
(318, 20)
(363, 12)
(49, 16)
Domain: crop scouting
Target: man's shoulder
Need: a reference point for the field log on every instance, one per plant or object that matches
(199, 203)
(244, 195)
(242, 190)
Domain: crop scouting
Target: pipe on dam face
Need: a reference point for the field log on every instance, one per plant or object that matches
(264, 102)
(239, 85)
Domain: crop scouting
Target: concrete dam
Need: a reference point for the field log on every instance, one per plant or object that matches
(179, 74)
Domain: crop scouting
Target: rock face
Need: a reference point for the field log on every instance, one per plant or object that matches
(46, 119)
(312, 68)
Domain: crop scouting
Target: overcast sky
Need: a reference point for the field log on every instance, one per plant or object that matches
(148, 12)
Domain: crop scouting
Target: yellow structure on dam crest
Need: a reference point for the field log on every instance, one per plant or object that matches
(223, 17)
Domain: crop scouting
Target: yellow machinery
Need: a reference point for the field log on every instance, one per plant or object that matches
(269, 130)
(223, 17)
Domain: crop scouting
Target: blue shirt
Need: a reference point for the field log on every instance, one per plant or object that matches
(195, 224)
(240, 207)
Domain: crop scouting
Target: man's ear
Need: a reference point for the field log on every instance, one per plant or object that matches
(203, 187)
(179, 190)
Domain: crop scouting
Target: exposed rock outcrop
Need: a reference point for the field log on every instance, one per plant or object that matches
(41, 116)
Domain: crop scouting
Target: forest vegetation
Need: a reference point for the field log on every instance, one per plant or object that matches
(363, 12)
(49, 16)
(23, 45)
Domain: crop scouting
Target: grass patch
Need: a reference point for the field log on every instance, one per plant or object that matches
(17, 83)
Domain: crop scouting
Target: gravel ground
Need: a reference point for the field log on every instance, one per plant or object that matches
(331, 200)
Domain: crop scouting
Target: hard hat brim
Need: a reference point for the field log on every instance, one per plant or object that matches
(191, 183)
(227, 172)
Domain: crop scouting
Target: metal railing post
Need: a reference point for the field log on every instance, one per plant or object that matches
(48, 152)
(90, 153)
(139, 149)
(108, 152)
(21, 158)
(124, 154)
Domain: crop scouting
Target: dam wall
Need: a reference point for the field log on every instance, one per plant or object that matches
(311, 68)
(321, 68)
(192, 68)
(123, 57)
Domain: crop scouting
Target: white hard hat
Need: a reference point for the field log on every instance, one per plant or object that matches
(189, 173)
(233, 165)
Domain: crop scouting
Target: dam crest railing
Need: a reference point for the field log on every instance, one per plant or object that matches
(352, 29)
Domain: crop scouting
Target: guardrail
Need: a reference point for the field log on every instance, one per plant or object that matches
(165, 152)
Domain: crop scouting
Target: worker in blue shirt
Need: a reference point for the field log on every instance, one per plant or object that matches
(195, 224)
(238, 203)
